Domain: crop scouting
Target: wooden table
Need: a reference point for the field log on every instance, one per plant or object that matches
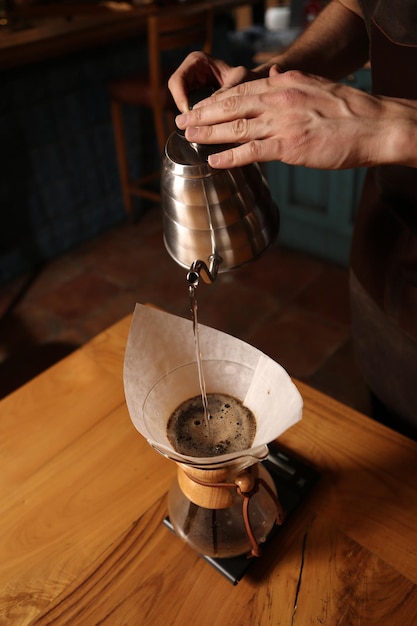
(83, 496)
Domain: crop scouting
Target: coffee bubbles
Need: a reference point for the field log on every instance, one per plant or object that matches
(232, 426)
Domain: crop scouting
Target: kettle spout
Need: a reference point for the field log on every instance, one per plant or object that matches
(199, 267)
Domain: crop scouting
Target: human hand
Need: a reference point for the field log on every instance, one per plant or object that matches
(300, 119)
(200, 71)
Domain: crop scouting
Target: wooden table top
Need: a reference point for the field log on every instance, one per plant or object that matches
(83, 496)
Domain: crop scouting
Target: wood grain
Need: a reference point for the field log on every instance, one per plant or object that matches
(83, 496)
(369, 473)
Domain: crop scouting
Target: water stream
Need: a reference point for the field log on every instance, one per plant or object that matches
(194, 317)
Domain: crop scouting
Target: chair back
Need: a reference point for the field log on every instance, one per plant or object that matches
(171, 31)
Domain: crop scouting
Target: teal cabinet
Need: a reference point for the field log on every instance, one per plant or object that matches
(318, 207)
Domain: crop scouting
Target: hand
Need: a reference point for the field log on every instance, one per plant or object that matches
(199, 71)
(300, 119)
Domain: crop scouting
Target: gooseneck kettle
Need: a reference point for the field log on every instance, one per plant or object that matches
(213, 220)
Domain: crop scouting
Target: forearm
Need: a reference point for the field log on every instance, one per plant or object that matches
(399, 138)
(334, 45)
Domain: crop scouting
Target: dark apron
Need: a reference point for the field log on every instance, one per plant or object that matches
(384, 248)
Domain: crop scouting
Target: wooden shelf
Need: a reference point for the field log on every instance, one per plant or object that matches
(53, 30)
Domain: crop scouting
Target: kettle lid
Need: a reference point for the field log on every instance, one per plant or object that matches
(179, 152)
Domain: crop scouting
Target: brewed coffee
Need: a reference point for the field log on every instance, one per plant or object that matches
(232, 426)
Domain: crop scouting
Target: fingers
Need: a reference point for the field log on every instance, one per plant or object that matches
(287, 116)
(233, 76)
(253, 151)
(234, 131)
(179, 93)
(194, 73)
(230, 116)
(223, 106)
(226, 104)
(296, 118)
(240, 90)
(201, 71)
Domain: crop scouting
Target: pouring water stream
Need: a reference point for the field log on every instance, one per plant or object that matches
(192, 285)
(194, 316)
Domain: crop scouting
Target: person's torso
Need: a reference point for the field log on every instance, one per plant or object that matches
(390, 200)
(384, 247)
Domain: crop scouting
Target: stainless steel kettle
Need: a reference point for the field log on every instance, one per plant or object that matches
(214, 220)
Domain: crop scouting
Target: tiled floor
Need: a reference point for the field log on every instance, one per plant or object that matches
(290, 305)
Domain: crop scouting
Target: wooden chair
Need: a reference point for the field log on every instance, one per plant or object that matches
(168, 30)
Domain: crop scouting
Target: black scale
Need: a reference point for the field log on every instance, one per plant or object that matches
(293, 479)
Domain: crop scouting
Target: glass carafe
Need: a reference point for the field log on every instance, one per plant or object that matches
(224, 512)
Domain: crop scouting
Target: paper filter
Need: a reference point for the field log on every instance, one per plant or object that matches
(160, 372)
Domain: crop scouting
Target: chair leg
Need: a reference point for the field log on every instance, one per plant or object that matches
(120, 143)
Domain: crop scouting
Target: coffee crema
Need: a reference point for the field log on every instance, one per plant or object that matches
(231, 428)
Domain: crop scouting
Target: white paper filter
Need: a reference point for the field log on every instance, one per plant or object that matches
(160, 372)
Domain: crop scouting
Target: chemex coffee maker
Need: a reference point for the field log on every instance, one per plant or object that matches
(225, 504)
